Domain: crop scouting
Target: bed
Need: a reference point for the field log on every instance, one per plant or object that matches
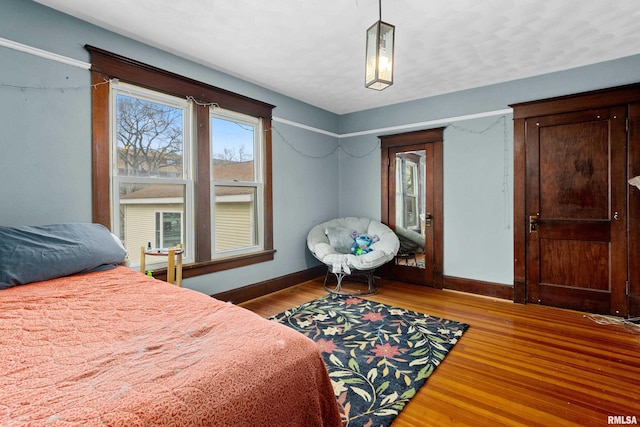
(113, 347)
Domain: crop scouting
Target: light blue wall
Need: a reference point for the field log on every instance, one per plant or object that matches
(360, 177)
(45, 157)
(45, 147)
(478, 199)
(495, 97)
(477, 193)
(478, 162)
(305, 188)
(45, 138)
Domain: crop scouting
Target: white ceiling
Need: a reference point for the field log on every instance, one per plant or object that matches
(313, 50)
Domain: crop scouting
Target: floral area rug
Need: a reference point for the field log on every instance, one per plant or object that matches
(377, 356)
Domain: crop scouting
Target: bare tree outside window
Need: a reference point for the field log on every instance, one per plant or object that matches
(149, 138)
(231, 141)
(234, 154)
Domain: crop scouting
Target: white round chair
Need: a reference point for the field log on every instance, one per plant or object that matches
(331, 243)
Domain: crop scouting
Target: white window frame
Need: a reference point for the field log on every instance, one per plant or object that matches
(187, 179)
(257, 184)
(161, 231)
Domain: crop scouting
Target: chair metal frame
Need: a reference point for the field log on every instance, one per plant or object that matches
(372, 286)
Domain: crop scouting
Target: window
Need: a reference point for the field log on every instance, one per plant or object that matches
(179, 161)
(236, 142)
(151, 177)
(168, 229)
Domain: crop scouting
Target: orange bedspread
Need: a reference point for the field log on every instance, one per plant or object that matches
(118, 348)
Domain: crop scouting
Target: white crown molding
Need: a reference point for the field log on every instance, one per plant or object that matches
(86, 66)
(407, 126)
(44, 54)
(302, 126)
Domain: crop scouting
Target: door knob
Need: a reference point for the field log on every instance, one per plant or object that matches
(427, 219)
(533, 223)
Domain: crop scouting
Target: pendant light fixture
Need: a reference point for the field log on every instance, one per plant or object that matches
(379, 61)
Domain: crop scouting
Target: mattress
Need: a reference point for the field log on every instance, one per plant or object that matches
(119, 348)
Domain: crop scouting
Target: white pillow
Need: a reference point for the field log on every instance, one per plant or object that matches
(340, 239)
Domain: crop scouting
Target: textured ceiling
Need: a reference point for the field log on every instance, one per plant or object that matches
(313, 50)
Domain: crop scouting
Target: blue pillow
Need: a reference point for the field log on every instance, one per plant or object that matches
(35, 253)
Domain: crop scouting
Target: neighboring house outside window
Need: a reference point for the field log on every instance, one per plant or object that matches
(180, 170)
(152, 215)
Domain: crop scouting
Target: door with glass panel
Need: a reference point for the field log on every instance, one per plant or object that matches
(412, 204)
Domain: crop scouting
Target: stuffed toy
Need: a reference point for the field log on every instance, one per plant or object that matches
(362, 244)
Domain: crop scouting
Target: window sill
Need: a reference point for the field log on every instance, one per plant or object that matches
(207, 267)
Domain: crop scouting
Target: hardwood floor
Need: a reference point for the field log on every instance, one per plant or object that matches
(516, 365)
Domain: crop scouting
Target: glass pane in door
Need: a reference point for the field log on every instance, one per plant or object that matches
(410, 207)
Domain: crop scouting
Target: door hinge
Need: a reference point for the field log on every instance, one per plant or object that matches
(626, 288)
(626, 125)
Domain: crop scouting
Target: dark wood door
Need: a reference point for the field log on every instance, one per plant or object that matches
(412, 204)
(575, 200)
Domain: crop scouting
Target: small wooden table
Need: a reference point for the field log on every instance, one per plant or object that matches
(174, 262)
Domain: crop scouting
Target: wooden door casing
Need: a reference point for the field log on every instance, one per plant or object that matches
(431, 141)
(633, 215)
(627, 96)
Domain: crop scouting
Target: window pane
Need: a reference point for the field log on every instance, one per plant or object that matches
(149, 137)
(232, 145)
(410, 178)
(151, 213)
(168, 229)
(410, 212)
(235, 218)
